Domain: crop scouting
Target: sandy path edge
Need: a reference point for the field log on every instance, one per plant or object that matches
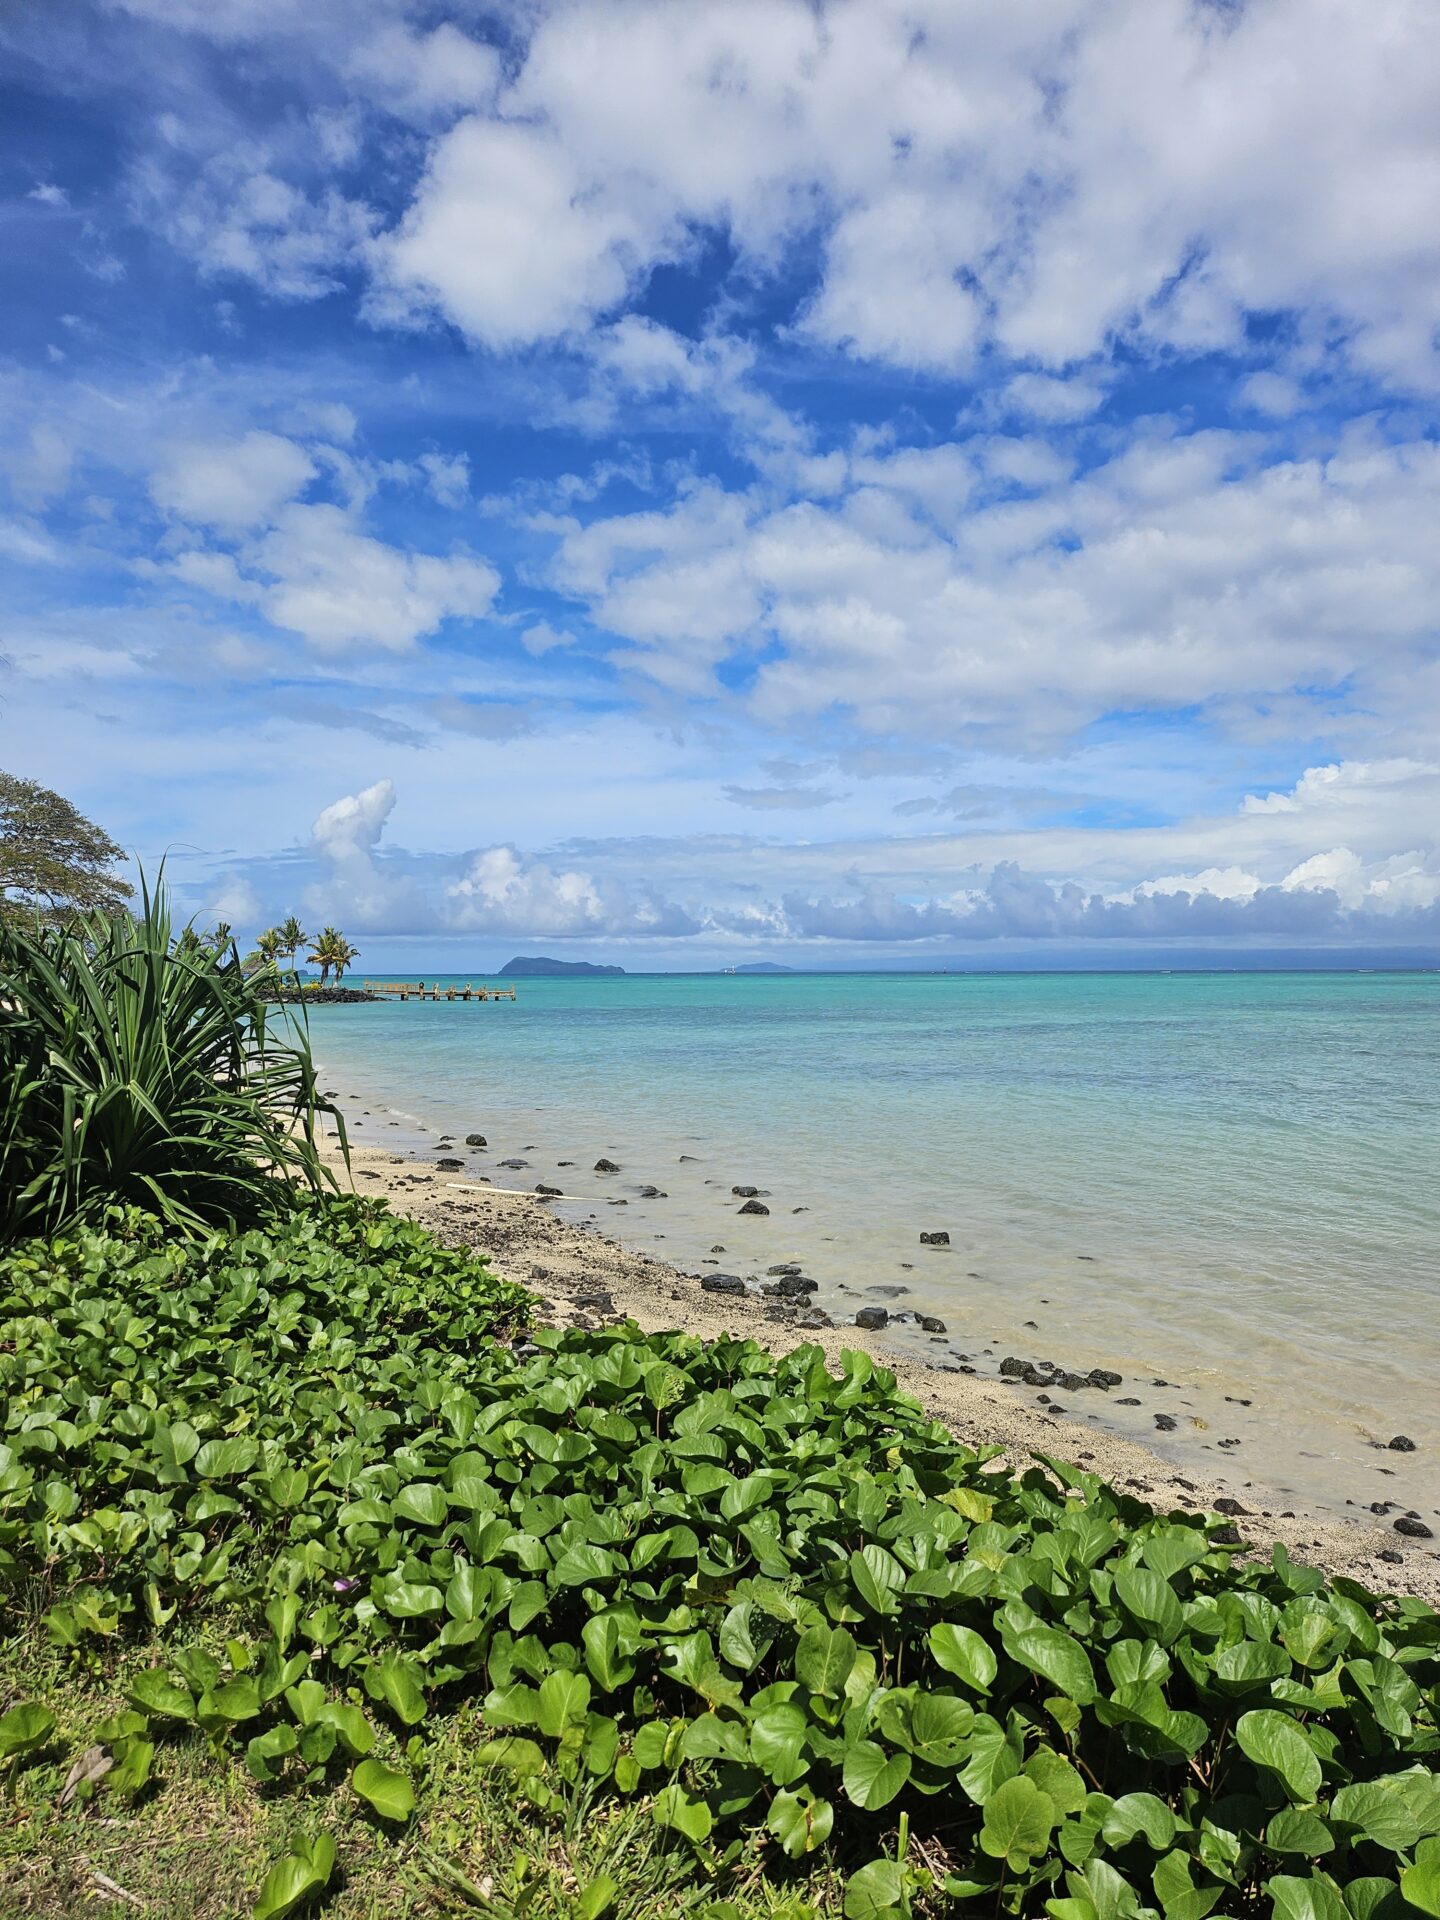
(566, 1264)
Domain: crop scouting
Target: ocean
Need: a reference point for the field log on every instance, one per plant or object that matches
(1226, 1183)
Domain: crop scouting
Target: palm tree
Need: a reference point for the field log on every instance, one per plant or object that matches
(270, 945)
(345, 954)
(292, 937)
(325, 951)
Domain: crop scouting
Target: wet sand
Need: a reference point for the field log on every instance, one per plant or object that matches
(585, 1278)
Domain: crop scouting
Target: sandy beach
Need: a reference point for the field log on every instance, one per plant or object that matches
(585, 1278)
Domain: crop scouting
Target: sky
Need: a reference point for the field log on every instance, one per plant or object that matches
(694, 482)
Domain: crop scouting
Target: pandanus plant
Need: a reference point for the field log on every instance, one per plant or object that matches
(139, 1068)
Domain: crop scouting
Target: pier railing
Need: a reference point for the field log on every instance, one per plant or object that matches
(429, 990)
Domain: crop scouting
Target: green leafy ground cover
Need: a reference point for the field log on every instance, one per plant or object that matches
(287, 1500)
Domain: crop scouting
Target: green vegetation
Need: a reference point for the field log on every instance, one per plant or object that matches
(53, 860)
(329, 1583)
(333, 953)
(784, 1612)
(138, 1067)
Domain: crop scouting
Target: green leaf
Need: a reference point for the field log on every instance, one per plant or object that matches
(564, 1702)
(800, 1822)
(961, 1651)
(596, 1898)
(1136, 1813)
(1315, 1899)
(1274, 1741)
(1019, 1820)
(777, 1741)
(291, 1881)
(610, 1641)
(878, 1577)
(1379, 1813)
(24, 1728)
(393, 1682)
(386, 1790)
(875, 1891)
(1150, 1597)
(677, 1810)
(824, 1657)
(873, 1777)
(226, 1459)
(583, 1565)
(1420, 1883)
(1053, 1654)
(422, 1502)
(1298, 1830)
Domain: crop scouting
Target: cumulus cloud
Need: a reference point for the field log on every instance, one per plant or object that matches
(232, 483)
(1185, 570)
(1047, 180)
(1012, 905)
(359, 889)
(502, 893)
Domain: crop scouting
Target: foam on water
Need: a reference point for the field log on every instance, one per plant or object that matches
(1228, 1182)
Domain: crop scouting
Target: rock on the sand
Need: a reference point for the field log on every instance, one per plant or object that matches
(930, 1324)
(754, 1206)
(872, 1317)
(1165, 1422)
(450, 1166)
(476, 1140)
(549, 1192)
(745, 1193)
(606, 1166)
(721, 1283)
(940, 1239)
(1413, 1529)
(1402, 1444)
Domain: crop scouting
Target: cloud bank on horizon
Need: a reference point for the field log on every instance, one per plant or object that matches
(699, 478)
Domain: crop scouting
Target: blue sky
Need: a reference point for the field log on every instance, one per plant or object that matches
(853, 484)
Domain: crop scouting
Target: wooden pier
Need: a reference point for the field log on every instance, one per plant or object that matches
(419, 990)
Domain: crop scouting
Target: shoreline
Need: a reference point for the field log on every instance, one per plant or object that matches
(584, 1278)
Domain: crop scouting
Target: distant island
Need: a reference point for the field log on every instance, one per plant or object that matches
(531, 966)
(760, 966)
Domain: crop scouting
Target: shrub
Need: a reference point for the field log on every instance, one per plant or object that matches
(138, 1067)
(777, 1602)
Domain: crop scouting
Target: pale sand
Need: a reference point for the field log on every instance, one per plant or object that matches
(525, 1242)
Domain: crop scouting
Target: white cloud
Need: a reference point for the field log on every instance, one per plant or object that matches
(501, 893)
(1044, 396)
(508, 241)
(447, 476)
(232, 484)
(1049, 179)
(542, 638)
(1185, 571)
(362, 891)
(339, 587)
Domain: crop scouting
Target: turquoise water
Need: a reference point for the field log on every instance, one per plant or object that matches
(1225, 1180)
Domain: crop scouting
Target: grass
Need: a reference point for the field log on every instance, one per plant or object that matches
(197, 1842)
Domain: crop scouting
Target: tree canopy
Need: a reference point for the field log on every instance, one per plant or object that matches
(52, 859)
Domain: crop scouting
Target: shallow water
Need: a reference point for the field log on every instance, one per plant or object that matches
(1226, 1182)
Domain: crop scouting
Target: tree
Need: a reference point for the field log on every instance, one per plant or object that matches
(270, 946)
(322, 953)
(52, 859)
(333, 950)
(292, 937)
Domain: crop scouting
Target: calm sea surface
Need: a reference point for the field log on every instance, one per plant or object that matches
(1227, 1182)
